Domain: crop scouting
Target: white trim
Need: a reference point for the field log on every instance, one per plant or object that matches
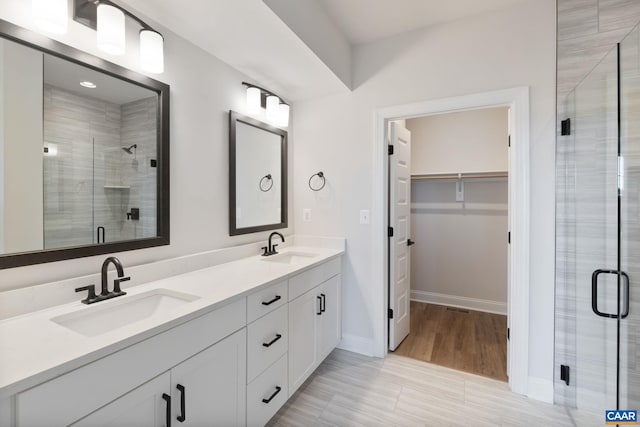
(356, 344)
(477, 304)
(517, 99)
(540, 389)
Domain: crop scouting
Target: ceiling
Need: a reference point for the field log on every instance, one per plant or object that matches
(67, 75)
(364, 21)
(253, 38)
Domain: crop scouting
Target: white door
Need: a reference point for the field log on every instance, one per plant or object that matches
(303, 351)
(210, 387)
(400, 221)
(330, 330)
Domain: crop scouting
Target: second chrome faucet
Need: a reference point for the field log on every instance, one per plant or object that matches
(105, 292)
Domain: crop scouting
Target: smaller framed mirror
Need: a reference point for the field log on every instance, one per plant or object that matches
(257, 175)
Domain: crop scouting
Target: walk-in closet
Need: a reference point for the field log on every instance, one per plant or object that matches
(460, 225)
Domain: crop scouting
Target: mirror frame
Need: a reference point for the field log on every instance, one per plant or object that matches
(46, 45)
(234, 118)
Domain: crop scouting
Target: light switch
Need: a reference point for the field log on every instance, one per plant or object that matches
(306, 215)
(364, 216)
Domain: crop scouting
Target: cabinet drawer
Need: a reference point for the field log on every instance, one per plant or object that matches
(65, 399)
(262, 400)
(309, 279)
(267, 341)
(266, 300)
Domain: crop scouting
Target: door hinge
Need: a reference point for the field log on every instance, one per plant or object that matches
(509, 140)
(508, 333)
(565, 127)
(565, 373)
(390, 232)
(509, 237)
(390, 149)
(390, 313)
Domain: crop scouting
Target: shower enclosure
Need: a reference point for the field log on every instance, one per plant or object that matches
(597, 312)
(99, 178)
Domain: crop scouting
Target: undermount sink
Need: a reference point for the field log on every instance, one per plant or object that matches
(96, 320)
(290, 257)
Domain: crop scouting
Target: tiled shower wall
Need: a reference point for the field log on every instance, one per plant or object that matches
(91, 181)
(587, 31)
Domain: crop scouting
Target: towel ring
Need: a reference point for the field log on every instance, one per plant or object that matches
(262, 187)
(321, 176)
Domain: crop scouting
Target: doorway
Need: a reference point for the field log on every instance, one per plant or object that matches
(448, 192)
(517, 100)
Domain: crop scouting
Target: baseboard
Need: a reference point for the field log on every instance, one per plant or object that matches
(461, 302)
(540, 389)
(356, 344)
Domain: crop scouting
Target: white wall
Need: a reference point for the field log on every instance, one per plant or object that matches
(203, 90)
(469, 141)
(503, 49)
(23, 153)
(461, 255)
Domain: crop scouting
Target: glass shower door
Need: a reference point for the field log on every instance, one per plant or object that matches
(629, 301)
(595, 129)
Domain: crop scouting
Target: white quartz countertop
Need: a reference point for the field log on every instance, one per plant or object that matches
(34, 349)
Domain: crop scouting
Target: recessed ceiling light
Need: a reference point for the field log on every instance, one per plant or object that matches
(88, 84)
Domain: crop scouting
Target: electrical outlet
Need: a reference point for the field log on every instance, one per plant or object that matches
(306, 215)
(364, 216)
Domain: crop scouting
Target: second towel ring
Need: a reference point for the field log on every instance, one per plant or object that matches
(321, 176)
(268, 178)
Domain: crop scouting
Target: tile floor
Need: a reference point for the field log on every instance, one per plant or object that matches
(354, 390)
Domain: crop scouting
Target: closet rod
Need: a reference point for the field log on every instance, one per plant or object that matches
(467, 175)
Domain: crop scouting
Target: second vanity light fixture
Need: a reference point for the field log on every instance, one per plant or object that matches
(108, 19)
(277, 111)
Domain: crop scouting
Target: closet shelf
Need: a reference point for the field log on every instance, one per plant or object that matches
(460, 175)
(117, 187)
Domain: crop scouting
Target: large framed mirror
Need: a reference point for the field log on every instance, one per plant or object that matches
(84, 150)
(257, 175)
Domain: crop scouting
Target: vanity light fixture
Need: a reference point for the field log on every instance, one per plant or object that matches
(88, 84)
(108, 19)
(277, 111)
(50, 15)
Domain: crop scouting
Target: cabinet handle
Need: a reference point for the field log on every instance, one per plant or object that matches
(323, 303)
(277, 298)
(270, 343)
(275, 393)
(183, 411)
(167, 399)
(319, 305)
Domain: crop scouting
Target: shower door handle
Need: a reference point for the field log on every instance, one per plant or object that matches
(624, 290)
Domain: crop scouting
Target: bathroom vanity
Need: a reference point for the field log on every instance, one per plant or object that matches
(227, 344)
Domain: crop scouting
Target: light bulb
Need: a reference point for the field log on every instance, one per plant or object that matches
(151, 51)
(283, 115)
(253, 100)
(110, 29)
(273, 109)
(50, 15)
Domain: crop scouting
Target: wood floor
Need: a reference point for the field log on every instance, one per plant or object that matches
(349, 389)
(467, 340)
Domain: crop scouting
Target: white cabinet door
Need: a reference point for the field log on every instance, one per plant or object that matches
(303, 352)
(141, 407)
(330, 327)
(213, 384)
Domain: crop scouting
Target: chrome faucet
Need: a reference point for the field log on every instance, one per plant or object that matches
(271, 249)
(105, 293)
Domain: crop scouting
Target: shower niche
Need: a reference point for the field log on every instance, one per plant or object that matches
(597, 313)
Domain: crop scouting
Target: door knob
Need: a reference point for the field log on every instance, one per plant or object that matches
(410, 242)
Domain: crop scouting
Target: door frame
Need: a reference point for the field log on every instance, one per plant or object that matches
(517, 99)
